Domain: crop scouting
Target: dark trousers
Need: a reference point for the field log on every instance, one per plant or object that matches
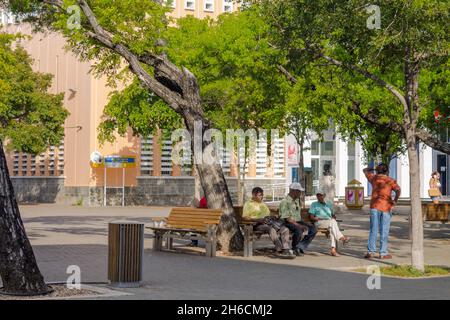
(297, 232)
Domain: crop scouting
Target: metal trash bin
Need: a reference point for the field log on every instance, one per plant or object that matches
(125, 253)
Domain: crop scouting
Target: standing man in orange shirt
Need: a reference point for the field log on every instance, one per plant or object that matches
(380, 209)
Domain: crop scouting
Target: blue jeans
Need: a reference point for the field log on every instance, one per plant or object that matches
(379, 221)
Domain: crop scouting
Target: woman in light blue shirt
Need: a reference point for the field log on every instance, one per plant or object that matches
(321, 213)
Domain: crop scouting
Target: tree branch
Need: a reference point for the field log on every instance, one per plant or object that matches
(432, 142)
(372, 118)
(287, 74)
(172, 98)
(368, 75)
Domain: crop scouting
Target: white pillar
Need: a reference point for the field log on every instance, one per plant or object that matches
(341, 166)
(426, 167)
(359, 166)
(403, 174)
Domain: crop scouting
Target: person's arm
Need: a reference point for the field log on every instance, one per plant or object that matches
(397, 191)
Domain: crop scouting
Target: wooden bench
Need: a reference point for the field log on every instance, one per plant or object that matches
(435, 212)
(250, 236)
(189, 223)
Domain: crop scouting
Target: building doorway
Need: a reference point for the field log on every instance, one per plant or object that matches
(442, 169)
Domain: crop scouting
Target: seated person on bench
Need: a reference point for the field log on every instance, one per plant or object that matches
(322, 213)
(290, 211)
(202, 204)
(258, 210)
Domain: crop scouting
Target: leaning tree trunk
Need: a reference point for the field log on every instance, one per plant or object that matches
(18, 268)
(179, 88)
(198, 190)
(211, 175)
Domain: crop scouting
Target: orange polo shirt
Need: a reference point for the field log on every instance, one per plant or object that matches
(382, 187)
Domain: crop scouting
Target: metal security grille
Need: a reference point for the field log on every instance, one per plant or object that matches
(166, 158)
(49, 163)
(147, 155)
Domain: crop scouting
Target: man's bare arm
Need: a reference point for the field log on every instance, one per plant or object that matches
(397, 195)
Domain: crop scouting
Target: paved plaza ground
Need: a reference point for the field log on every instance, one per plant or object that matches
(70, 235)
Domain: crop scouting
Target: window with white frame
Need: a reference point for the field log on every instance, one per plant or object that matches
(6, 18)
(189, 4)
(227, 5)
(209, 5)
(170, 3)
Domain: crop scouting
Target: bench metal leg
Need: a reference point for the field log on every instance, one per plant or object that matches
(248, 241)
(157, 243)
(169, 241)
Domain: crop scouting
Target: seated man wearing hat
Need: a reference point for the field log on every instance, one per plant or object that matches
(322, 213)
(290, 211)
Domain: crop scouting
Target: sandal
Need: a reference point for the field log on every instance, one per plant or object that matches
(334, 253)
(345, 240)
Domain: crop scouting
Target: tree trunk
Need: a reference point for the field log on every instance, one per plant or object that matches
(238, 180)
(198, 189)
(417, 258)
(18, 268)
(213, 180)
(412, 110)
(301, 173)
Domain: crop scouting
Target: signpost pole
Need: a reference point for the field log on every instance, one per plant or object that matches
(123, 186)
(104, 189)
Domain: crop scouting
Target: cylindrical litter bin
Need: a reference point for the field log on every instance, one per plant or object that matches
(125, 253)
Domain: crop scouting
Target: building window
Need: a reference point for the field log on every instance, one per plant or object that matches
(327, 148)
(227, 5)
(170, 3)
(7, 18)
(315, 148)
(351, 149)
(189, 4)
(166, 158)
(147, 156)
(209, 5)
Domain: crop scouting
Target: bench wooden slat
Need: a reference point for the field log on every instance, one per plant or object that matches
(176, 229)
(173, 221)
(200, 210)
(196, 216)
(175, 224)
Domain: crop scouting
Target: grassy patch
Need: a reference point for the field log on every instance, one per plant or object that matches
(411, 272)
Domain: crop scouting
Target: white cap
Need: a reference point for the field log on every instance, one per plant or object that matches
(320, 192)
(296, 186)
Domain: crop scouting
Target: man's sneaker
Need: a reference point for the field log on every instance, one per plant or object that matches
(386, 256)
(368, 256)
(286, 254)
(299, 252)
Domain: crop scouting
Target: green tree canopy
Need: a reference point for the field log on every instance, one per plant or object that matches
(31, 119)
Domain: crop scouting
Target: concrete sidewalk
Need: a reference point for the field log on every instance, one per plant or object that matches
(63, 236)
